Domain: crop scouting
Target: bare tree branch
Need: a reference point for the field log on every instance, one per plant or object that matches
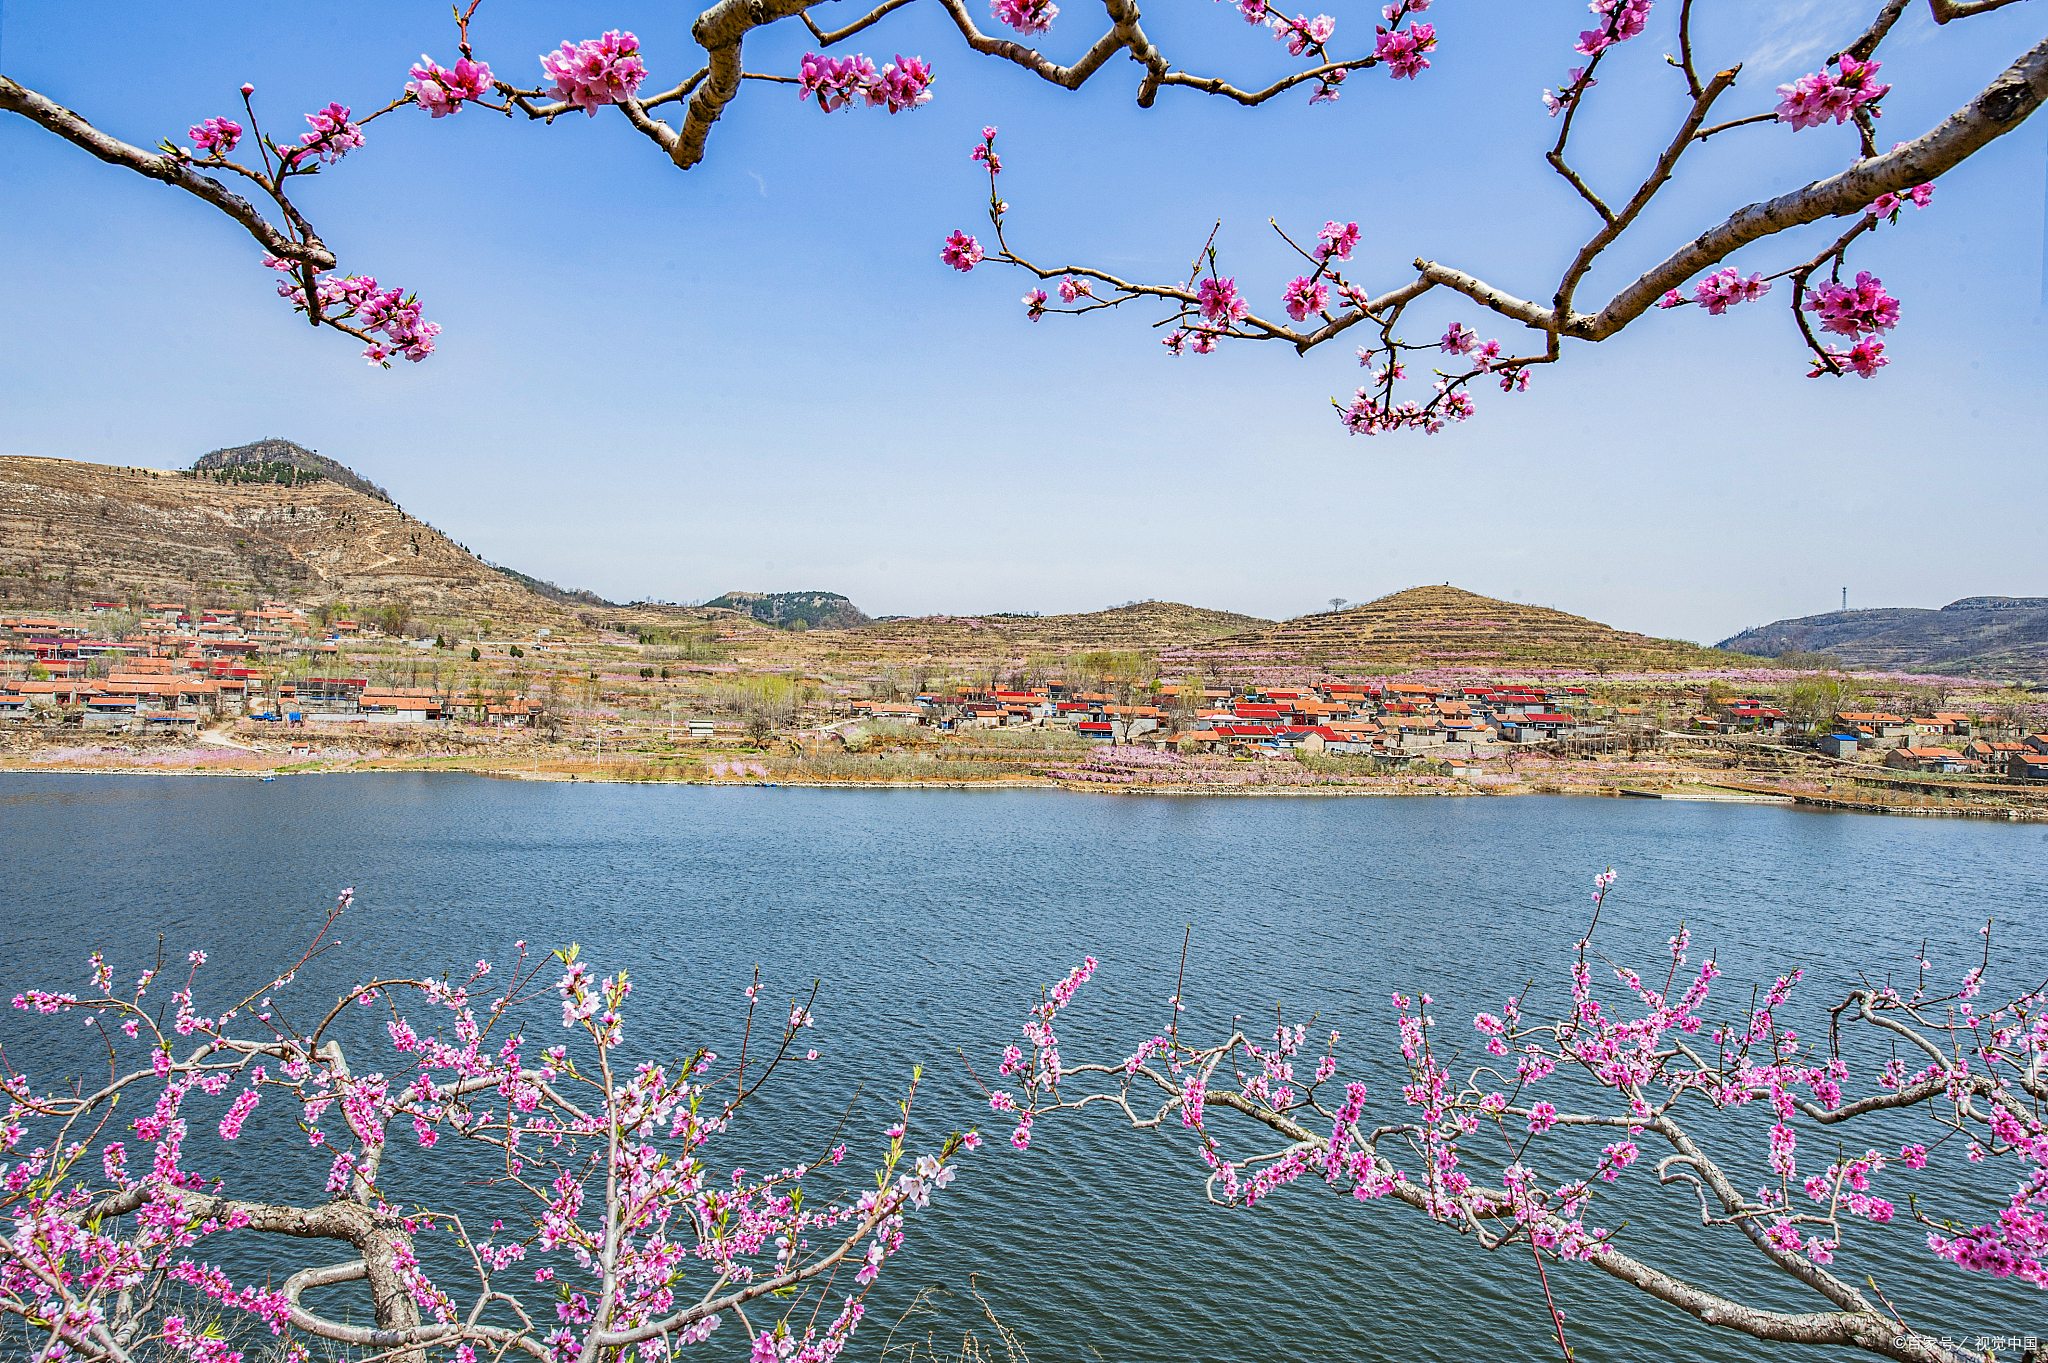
(719, 31)
(1945, 10)
(2002, 107)
(173, 171)
(840, 34)
(1067, 77)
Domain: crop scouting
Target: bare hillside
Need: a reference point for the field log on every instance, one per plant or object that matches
(1150, 626)
(71, 533)
(1433, 627)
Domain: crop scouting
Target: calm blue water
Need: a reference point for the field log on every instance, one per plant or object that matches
(931, 919)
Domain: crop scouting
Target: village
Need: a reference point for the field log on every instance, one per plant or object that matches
(169, 668)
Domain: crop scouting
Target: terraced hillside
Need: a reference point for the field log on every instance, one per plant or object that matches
(71, 533)
(971, 641)
(1978, 636)
(1445, 627)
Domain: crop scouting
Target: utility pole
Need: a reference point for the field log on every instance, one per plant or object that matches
(1845, 599)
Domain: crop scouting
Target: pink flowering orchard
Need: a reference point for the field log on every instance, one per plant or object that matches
(598, 1225)
(1513, 1134)
(1414, 379)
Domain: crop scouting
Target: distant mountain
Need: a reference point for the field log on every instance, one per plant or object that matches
(264, 461)
(794, 610)
(1978, 636)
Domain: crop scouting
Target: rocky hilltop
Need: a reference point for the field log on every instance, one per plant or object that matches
(72, 533)
(1439, 627)
(251, 463)
(794, 610)
(1977, 636)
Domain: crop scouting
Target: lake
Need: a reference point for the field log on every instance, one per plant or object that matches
(931, 919)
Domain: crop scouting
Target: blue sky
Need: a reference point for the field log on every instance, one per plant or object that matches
(757, 374)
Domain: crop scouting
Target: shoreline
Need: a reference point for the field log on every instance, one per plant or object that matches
(1702, 793)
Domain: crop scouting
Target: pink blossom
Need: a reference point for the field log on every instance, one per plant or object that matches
(1542, 1117)
(833, 81)
(1337, 242)
(596, 71)
(1219, 302)
(442, 91)
(1403, 50)
(1568, 94)
(1854, 310)
(1888, 205)
(903, 84)
(1822, 95)
(1783, 1142)
(1034, 304)
(238, 1113)
(332, 136)
(1724, 288)
(1458, 339)
(1026, 16)
(1072, 288)
(962, 252)
(216, 136)
(1864, 358)
(1304, 33)
(1625, 19)
(1305, 296)
(391, 316)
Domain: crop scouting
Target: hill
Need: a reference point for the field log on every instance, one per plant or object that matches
(267, 461)
(1013, 640)
(71, 533)
(794, 610)
(1445, 627)
(1977, 636)
(568, 596)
